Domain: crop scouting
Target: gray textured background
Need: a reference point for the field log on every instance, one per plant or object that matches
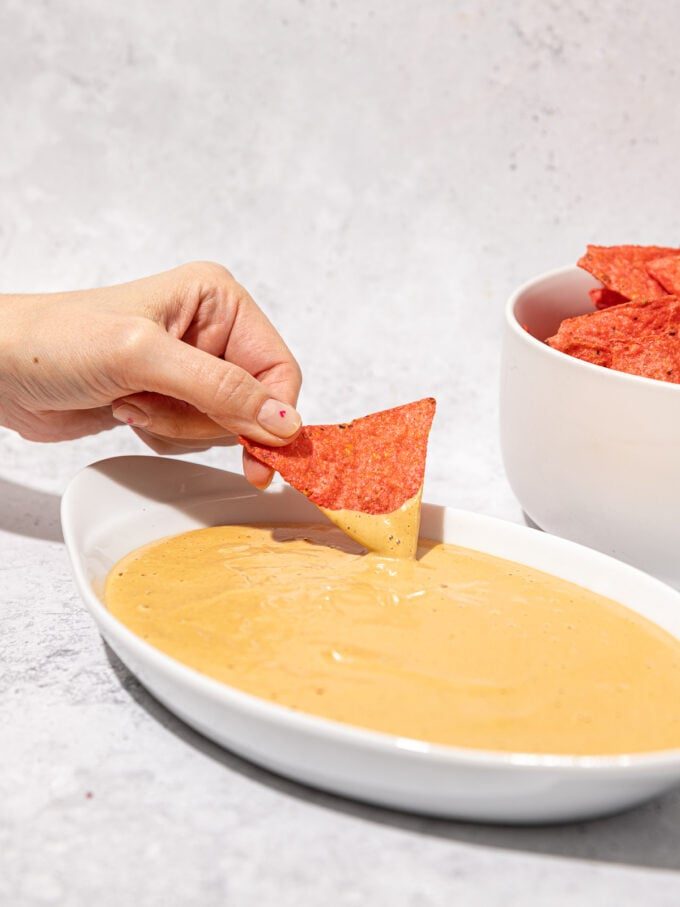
(380, 175)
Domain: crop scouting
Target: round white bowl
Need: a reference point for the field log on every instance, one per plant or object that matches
(592, 454)
(116, 505)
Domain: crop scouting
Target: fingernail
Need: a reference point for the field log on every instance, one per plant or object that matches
(131, 415)
(280, 419)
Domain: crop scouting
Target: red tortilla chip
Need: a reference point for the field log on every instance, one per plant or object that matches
(642, 338)
(623, 269)
(588, 350)
(372, 465)
(654, 357)
(603, 297)
(630, 321)
(667, 272)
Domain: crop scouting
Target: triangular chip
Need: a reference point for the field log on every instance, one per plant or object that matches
(366, 475)
(667, 272)
(641, 338)
(623, 269)
(630, 321)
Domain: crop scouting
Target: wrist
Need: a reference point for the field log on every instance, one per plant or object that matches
(16, 315)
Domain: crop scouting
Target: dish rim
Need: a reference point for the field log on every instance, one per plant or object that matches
(612, 374)
(341, 732)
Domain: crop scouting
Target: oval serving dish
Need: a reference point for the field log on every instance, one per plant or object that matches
(116, 505)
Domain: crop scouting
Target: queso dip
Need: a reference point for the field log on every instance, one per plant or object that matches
(456, 647)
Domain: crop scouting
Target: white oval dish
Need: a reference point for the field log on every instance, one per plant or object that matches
(591, 453)
(116, 505)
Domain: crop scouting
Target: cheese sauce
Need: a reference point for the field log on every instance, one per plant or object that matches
(393, 534)
(456, 647)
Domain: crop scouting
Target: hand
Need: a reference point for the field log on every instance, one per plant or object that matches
(186, 358)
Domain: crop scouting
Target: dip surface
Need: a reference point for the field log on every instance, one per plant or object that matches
(456, 647)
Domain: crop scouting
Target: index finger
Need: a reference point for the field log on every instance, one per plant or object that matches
(255, 345)
(275, 367)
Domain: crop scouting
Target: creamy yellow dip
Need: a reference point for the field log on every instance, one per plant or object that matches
(456, 647)
(393, 534)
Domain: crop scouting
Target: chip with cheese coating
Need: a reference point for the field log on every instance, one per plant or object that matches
(366, 475)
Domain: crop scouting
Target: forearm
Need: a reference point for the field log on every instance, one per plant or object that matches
(10, 312)
(17, 313)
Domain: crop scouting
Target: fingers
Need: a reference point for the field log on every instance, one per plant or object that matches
(228, 323)
(258, 474)
(256, 346)
(216, 369)
(171, 427)
(169, 448)
(169, 418)
(61, 426)
(220, 390)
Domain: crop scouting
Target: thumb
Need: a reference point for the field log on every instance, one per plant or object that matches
(226, 393)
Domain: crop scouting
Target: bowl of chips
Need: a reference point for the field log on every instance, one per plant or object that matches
(590, 403)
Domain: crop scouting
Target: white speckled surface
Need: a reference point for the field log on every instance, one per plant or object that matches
(380, 175)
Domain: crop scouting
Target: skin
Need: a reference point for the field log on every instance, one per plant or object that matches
(186, 358)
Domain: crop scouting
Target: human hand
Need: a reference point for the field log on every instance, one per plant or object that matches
(186, 358)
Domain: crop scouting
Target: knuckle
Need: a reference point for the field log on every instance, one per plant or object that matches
(208, 271)
(131, 338)
(296, 372)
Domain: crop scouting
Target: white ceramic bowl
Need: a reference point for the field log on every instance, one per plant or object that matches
(119, 504)
(592, 454)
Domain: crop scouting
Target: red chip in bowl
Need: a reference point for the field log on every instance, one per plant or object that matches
(630, 321)
(654, 357)
(623, 269)
(667, 272)
(642, 338)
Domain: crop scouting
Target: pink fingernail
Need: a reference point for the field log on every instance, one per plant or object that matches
(279, 418)
(131, 415)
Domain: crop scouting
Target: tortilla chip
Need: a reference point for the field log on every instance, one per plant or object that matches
(587, 350)
(654, 357)
(623, 269)
(667, 272)
(630, 321)
(603, 297)
(371, 465)
(642, 338)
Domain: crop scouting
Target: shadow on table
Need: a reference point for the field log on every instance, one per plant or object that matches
(648, 836)
(28, 511)
(529, 522)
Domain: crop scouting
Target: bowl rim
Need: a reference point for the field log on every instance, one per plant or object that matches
(110, 627)
(606, 374)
